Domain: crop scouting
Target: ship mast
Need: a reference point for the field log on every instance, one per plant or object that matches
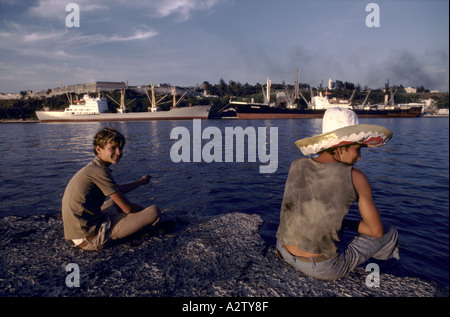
(351, 98)
(266, 94)
(122, 106)
(69, 97)
(174, 94)
(152, 99)
(365, 99)
(294, 101)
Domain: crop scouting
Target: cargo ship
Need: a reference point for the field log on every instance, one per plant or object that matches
(317, 107)
(264, 111)
(90, 109)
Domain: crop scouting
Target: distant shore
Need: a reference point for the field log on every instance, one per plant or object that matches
(221, 256)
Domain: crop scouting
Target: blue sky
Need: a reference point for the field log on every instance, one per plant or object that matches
(186, 42)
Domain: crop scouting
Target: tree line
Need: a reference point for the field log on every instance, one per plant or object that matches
(342, 90)
(217, 95)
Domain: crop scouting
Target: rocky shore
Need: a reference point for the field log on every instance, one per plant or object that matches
(222, 256)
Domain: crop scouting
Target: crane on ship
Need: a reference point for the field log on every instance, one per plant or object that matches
(153, 103)
(174, 94)
(266, 94)
(293, 101)
(122, 105)
(365, 99)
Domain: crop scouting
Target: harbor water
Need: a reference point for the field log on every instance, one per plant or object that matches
(409, 176)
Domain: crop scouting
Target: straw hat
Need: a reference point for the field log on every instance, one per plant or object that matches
(340, 126)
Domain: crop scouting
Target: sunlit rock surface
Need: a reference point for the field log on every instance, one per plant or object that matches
(218, 256)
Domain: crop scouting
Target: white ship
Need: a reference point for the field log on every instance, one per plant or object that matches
(322, 102)
(96, 109)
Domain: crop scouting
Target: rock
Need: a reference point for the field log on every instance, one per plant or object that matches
(218, 256)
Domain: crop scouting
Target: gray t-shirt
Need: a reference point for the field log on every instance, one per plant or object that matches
(316, 198)
(83, 198)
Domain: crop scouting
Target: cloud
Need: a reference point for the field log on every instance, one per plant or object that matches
(43, 36)
(98, 39)
(183, 9)
(407, 68)
(55, 38)
(46, 43)
(138, 35)
(57, 8)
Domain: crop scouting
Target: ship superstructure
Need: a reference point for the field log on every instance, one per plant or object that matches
(96, 109)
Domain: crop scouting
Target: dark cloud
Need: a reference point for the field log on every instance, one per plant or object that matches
(408, 68)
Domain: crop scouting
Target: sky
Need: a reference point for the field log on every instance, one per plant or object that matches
(187, 42)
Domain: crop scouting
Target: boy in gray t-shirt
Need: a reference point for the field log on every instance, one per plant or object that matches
(90, 222)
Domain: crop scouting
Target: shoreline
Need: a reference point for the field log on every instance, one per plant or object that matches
(37, 121)
(221, 256)
(19, 121)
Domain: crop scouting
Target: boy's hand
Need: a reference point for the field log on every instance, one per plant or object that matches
(145, 179)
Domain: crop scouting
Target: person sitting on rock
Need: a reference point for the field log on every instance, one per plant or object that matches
(318, 194)
(88, 220)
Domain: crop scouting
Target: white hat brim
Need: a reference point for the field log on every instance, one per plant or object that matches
(371, 135)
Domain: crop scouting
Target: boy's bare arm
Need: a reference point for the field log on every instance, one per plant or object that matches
(371, 223)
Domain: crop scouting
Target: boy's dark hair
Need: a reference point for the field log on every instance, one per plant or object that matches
(107, 135)
(332, 150)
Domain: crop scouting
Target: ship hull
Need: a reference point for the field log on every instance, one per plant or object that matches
(185, 113)
(247, 112)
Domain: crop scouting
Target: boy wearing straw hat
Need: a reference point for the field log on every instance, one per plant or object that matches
(318, 194)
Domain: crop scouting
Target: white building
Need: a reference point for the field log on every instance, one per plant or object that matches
(330, 84)
(411, 90)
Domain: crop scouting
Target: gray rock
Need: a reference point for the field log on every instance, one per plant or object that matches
(220, 256)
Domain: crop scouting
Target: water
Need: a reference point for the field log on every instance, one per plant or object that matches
(409, 176)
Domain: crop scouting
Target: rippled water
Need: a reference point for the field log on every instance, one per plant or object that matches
(409, 176)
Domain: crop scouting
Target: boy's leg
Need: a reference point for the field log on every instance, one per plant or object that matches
(359, 250)
(123, 225)
(350, 255)
(364, 247)
(96, 242)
